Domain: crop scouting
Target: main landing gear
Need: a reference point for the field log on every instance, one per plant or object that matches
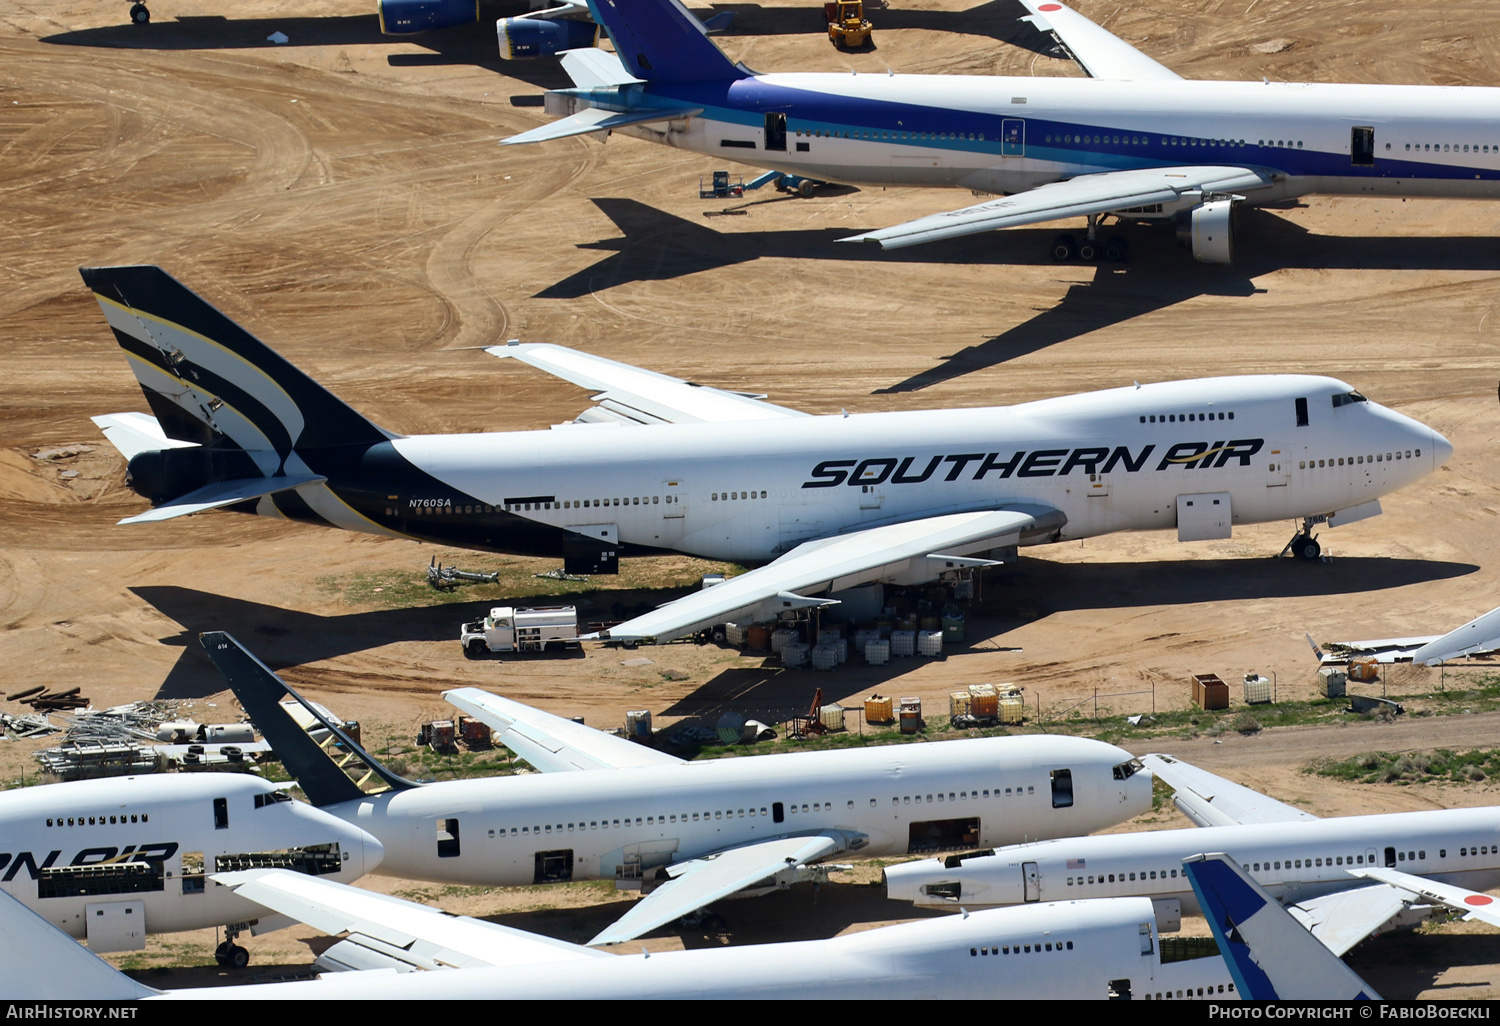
(229, 954)
(1303, 545)
(1091, 250)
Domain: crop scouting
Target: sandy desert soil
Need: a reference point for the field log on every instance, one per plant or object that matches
(343, 197)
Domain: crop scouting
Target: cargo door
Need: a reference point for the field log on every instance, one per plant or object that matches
(591, 549)
(674, 500)
(116, 925)
(1012, 138)
(1204, 516)
(1032, 881)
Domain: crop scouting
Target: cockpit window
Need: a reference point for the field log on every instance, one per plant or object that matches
(273, 798)
(1345, 398)
(1126, 770)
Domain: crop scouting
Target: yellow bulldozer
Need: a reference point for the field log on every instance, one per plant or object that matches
(847, 27)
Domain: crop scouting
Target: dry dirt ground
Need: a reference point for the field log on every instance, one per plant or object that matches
(343, 197)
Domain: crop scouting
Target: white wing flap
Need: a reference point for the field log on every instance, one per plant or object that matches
(638, 396)
(400, 931)
(595, 119)
(1087, 194)
(1472, 904)
(700, 882)
(1101, 53)
(1210, 800)
(223, 493)
(552, 743)
(1344, 918)
(886, 553)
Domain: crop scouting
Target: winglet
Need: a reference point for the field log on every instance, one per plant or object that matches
(260, 691)
(1271, 956)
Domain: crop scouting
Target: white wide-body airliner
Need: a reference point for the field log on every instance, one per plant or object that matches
(1060, 950)
(818, 505)
(1134, 140)
(1326, 871)
(690, 833)
(111, 860)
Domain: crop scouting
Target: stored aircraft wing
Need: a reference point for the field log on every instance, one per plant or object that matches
(1087, 194)
(1472, 904)
(1099, 52)
(552, 743)
(1210, 800)
(385, 932)
(911, 550)
(700, 882)
(1339, 920)
(631, 395)
(1480, 636)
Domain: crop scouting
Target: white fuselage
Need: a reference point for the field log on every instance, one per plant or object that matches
(1293, 861)
(621, 824)
(1065, 950)
(1109, 461)
(1007, 135)
(85, 855)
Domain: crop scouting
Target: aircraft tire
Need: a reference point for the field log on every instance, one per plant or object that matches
(1089, 251)
(1063, 249)
(140, 14)
(238, 957)
(1307, 547)
(1116, 249)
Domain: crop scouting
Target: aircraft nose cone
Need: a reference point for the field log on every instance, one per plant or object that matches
(1442, 449)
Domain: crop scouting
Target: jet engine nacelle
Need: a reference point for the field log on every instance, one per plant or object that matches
(399, 17)
(523, 38)
(162, 475)
(1208, 229)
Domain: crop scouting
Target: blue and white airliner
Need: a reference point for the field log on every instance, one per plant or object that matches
(1134, 140)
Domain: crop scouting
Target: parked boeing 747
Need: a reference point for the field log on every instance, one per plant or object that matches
(110, 861)
(818, 505)
(1071, 950)
(1134, 140)
(688, 833)
(1343, 878)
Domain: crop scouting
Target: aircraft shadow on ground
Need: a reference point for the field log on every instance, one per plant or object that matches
(657, 246)
(1055, 587)
(1404, 964)
(466, 44)
(999, 19)
(797, 914)
(282, 637)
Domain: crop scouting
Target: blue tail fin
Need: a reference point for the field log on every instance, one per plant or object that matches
(324, 780)
(661, 41)
(1271, 956)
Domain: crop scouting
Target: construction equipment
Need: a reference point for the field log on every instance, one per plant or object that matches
(722, 186)
(847, 27)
